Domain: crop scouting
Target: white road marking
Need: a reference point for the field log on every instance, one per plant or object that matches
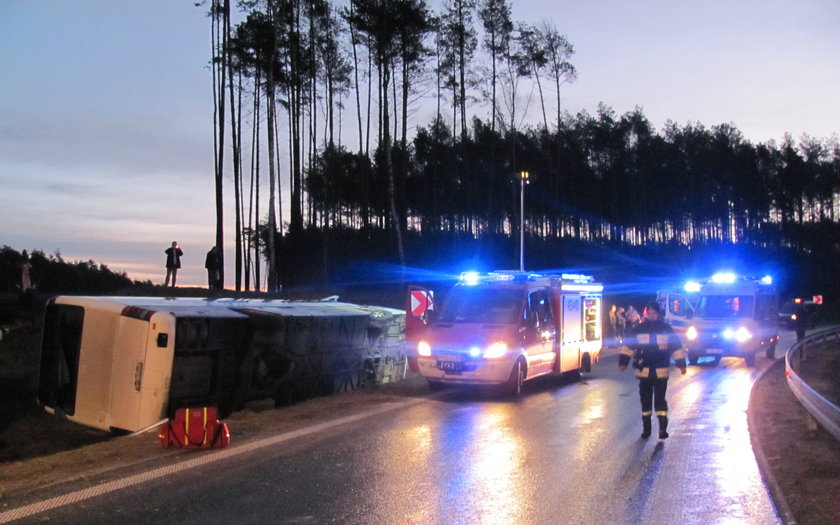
(144, 477)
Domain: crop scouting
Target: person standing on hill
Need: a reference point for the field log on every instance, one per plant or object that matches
(211, 263)
(25, 273)
(173, 262)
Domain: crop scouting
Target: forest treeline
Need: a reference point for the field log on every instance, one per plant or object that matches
(52, 274)
(291, 76)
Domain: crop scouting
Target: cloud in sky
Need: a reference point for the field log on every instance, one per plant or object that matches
(106, 107)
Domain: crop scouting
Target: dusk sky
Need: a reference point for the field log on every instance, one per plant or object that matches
(106, 106)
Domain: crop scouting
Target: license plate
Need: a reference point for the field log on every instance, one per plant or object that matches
(450, 364)
(714, 351)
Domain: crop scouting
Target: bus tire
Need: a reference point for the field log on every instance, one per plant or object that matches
(513, 387)
(693, 359)
(586, 363)
(749, 359)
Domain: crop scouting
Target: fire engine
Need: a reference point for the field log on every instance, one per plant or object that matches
(734, 316)
(504, 328)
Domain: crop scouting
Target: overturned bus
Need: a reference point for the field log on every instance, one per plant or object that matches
(126, 363)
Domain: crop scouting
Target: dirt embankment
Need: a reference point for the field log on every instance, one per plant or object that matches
(803, 461)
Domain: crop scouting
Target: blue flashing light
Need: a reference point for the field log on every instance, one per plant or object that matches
(692, 287)
(470, 278)
(475, 351)
(577, 277)
(767, 279)
(724, 278)
(728, 333)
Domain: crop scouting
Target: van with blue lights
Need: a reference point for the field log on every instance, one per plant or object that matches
(678, 306)
(504, 328)
(734, 316)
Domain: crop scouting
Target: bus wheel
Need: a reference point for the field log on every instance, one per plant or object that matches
(693, 359)
(770, 352)
(516, 379)
(586, 364)
(750, 359)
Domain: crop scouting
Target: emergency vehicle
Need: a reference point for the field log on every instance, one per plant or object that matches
(504, 328)
(734, 316)
(679, 305)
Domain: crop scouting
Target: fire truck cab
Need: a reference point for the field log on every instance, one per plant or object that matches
(504, 328)
(735, 316)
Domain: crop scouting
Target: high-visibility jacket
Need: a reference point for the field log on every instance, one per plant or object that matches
(651, 346)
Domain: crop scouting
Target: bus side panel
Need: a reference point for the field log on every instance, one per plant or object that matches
(572, 333)
(160, 349)
(128, 373)
(95, 365)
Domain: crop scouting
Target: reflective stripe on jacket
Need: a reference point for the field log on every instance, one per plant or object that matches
(651, 347)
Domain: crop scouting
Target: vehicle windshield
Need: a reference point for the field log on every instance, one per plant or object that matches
(481, 305)
(723, 306)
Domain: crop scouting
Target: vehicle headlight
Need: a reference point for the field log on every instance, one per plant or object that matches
(793, 317)
(691, 334)
(743, 335)
(424, 349)
(728, 333)
(495, 350)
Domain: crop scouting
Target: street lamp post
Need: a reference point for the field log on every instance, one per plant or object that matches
(524, 178)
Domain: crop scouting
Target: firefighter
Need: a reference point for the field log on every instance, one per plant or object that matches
(651, 345)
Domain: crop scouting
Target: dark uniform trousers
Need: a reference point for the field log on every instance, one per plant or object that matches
(652, 393)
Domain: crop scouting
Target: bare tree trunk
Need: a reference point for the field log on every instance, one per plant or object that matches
(237, 165)
(388, 164)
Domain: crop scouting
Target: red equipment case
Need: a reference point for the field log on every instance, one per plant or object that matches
(195, 428)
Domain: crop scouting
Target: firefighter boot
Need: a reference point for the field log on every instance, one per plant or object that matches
(646, 426)
(663, 427)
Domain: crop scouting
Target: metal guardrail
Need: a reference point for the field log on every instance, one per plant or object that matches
(824, 411)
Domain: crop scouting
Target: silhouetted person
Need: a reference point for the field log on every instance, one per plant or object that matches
(27, 290)
(651, 345)
(613, 322)
(211, 263)
(25, 273)
(800, 323)
(173, 262)
(620, 322)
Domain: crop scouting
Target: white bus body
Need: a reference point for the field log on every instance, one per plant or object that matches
(125, 363)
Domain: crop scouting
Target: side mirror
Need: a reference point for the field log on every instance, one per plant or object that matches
(430, 317)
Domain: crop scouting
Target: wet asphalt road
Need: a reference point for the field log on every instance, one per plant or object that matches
(566, 452)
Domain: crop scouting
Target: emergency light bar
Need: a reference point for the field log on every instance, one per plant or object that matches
(577, 277)
(724, 277)
(692, 287)
(582, 287)
(474, 278)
